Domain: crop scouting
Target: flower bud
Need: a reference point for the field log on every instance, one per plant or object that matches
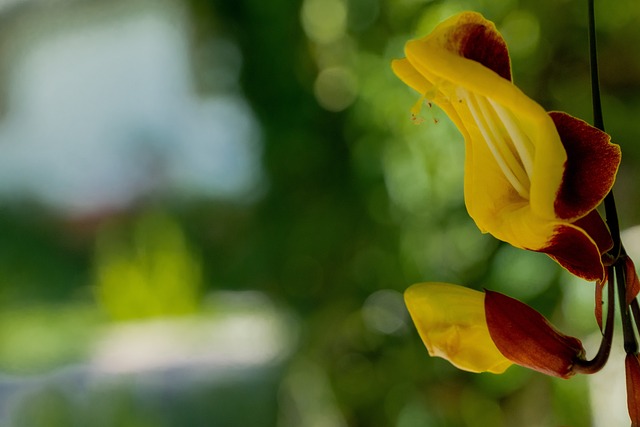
(526, 338)
(451, 322)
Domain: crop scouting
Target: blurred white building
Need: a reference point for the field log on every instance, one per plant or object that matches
(100, 108)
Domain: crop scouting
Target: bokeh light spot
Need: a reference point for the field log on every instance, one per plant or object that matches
(335, 88)
(324, 21)
(384, 311)
(521, 274)
(521, 30)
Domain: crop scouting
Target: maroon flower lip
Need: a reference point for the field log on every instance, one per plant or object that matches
(526, 338)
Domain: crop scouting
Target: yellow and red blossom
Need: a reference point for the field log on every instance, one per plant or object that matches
(532, 178)
(487, 332)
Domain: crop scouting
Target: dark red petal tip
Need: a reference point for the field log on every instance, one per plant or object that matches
(477, 39)
(482, 45)
(526, 338)
(598, 305)
(590, 169)
(632, 284)
(572, 249)
(597, 229)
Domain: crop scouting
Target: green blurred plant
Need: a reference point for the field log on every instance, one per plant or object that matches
(146, 269)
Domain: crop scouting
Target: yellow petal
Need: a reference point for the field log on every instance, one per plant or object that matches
(492, 113)
(515, 159)
(410, 76)
(451, 322)
(520, 184)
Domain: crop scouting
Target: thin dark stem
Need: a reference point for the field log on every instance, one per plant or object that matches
(611, 213)
(629, 336)
(598, 121)
(600, 359)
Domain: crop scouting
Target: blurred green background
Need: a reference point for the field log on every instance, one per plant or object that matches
(210, 210)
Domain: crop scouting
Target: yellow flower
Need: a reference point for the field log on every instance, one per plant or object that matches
(451, 322)
(487, 332)
(532, 178)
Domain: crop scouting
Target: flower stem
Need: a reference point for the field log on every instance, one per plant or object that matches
(630, 342)
(598, 121)
(600, 359)
(611, 213)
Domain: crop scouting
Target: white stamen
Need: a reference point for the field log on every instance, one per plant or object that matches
(491, 138)
(503, 143)
(520, 140)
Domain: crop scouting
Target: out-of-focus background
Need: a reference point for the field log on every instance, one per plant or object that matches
(209, 210)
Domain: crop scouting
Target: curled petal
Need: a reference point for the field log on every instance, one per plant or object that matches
(526, 338)
(595, 227)
(471, 36)
(451, 322)
(632, 284)
(600, 284)
(411, 76)
(576, 251)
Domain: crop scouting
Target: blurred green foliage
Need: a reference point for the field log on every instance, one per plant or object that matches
(358, 200)
(146, 270)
